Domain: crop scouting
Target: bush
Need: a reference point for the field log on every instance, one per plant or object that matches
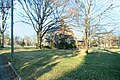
(66, 45)
(52, 45)
(22, 43)
(63, 45)
(46, 47)
(72, 45)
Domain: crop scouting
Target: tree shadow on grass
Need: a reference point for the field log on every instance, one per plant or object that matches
(33, 64)
(100, 65)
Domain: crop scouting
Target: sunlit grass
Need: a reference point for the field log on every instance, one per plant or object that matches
(67, 65)
(16, 49)
(64, 66)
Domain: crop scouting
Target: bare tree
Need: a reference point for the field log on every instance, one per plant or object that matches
(41, 15)
(27, 40)
(89, 16)
(6, 39)
(17, 40)
(4, 9)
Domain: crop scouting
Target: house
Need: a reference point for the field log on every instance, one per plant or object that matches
(80, 44)
(59, 34)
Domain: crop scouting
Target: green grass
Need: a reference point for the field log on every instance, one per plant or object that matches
(66, 65)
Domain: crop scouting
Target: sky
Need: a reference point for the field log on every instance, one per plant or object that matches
(22, 29)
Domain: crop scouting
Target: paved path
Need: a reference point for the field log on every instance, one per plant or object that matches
(6, 72)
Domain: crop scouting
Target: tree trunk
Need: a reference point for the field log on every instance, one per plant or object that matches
(2, 43)
(40, 46)
(87, 27)
(0, 39)
(3, 25)
(86, 33)
(86, 43)
(39, 41)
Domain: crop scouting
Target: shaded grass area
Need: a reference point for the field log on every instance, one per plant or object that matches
(67, 65)
(100, 65)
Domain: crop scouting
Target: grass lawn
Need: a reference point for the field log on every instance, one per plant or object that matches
(66, 65)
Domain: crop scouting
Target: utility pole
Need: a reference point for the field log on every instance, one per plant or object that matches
(12, 39)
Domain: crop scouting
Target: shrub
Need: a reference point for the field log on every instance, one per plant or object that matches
(22, 43)
(52, 45)
(72, 45)
(63, 45)
(46, 47)
(66, 45)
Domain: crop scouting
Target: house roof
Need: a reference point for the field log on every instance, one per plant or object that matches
(53, 29)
